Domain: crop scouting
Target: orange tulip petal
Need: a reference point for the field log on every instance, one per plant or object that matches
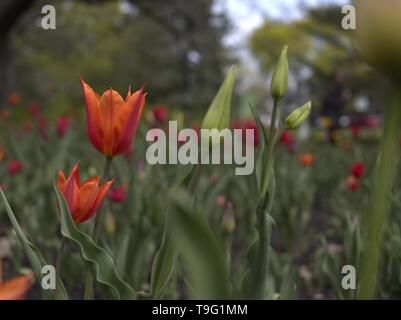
(110, 103)
(75, 173)
(61, 181)
(93, 120)
(87, 195)
(17, 288)
(127, 121)
(128, 94)
(71, 194)
(100, 196)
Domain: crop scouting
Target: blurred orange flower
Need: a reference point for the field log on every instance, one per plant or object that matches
(16, 288)
(111, 121)
(306, 159)
(14, 99)
(83, 199)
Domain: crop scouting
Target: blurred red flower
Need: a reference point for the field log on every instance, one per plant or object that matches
(160, 113)
(353, 183)
(247, 124)
(358, 169)
(118, 194)
(33, 109)
(14, 167)
(62, 126)
(287, 139)
(355, 130)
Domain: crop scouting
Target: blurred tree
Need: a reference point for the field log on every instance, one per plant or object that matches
(318, 48)
(173, 47)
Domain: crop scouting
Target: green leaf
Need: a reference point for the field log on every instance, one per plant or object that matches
(202, 255)
(96, 258)
(261, 161)
(34, 256)
(163, 264)
(167, 254)
(218, 114)
(254, 282)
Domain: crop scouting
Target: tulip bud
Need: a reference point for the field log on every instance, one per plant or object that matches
(279, 83)
(298, 116)
(218, 114)
(378, 36)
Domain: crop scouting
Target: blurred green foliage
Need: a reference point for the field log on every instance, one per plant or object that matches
(175, 51)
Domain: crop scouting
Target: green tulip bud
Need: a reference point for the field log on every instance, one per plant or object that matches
(217, 118)
(218, 114)
(279, 83)
(298, 116)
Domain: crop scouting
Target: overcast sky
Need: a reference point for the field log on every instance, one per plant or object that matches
(247, 15)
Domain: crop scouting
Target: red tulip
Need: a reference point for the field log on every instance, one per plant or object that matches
(160, 113)
(117, 194)
(287, 139)
(83, 199)
(33, 109)
(14, 167)
(355, 129)
(248, 124)
(358, 169)
(111, 121)
(62, 126)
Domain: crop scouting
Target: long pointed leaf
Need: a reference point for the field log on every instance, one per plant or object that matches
(97, 259)
(35, 257)
(198, 246)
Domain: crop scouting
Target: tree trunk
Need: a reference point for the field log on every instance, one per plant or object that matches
(10, 12)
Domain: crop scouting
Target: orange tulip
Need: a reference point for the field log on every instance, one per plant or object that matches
(306, 159)
(16, 288)
(111, 121)
(83, 199)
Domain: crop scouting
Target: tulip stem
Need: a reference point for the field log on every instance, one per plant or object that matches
(378, 214)
(98, 218)
(270, 147)
(96, 231)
